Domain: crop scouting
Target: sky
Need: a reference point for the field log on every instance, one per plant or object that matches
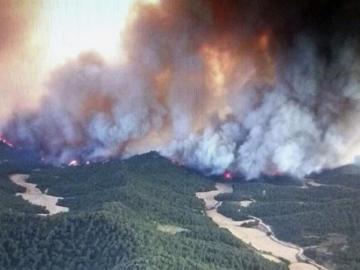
(71, 27)
(38, 36)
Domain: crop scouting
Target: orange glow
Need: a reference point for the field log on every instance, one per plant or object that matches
(162, 81)
(227, 175)
(96, 103)
(263, 42)
(265, 63)
(220, 65)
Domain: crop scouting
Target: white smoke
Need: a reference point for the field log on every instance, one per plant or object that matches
(284, 112)
(297, 128)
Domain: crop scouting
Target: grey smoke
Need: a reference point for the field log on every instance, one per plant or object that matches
(303, 120)
(297, 128)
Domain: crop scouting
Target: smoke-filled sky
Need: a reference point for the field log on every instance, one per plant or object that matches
(252, 87)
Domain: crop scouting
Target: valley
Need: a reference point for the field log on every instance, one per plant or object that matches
(139, 213)
(259, 236)
(143, 212)
(323, 218)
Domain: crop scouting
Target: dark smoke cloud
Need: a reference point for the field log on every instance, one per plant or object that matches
(248, 86)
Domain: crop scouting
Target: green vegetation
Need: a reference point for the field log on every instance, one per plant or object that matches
(324, 219)
(16, 160)
(13, 161)
(11, 203)
(116, 209)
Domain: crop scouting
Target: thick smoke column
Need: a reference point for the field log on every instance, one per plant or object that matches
(247, 86)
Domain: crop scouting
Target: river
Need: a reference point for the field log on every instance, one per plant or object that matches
(258, 237)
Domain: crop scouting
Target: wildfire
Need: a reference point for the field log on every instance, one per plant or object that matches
(219, 64)
(263, 42)
(5, 141)
(227, 175)
(176, 162)
(73, 163)
(273, 170)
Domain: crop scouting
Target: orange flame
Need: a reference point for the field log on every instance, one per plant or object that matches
(5, 141)
(220, 64)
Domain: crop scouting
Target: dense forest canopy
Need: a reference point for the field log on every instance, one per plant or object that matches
(116, 210)
(321, 214)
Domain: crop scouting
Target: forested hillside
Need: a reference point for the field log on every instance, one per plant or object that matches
(322, 215)
(135, 214)
(12, 161)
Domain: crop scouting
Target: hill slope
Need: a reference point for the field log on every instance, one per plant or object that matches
(135, 214)
(323, 215)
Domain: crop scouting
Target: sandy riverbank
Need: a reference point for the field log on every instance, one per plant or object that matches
(267, 245)
(308, 183)
(36, 197)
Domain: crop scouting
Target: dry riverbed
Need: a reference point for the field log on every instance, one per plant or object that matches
(36, 197)
(260, 237)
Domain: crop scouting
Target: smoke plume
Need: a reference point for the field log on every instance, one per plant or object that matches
(252, 87)
(18, 68)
